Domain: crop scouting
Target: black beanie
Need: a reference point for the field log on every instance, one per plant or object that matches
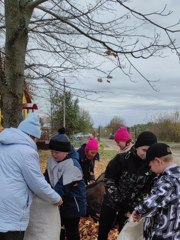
(158, 150)
(145, 139)
(60, 142)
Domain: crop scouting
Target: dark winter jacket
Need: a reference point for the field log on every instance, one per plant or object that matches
(67, 180)
(86, 164)
(127, 179)
(161, 208)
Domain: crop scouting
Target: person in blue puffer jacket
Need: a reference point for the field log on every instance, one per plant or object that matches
(64, 173)
(21, 177)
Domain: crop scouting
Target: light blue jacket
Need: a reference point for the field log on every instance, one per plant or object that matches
(20, 177)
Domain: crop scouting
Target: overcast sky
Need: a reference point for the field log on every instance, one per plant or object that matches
(136, 102)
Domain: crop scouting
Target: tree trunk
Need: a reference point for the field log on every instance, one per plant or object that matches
(17, 19)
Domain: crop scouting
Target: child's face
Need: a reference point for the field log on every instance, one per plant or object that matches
(157, 165)
(91, 154)
(141, 151)
(121, 144)
(58, 156)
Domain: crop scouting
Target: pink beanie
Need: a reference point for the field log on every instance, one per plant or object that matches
(92, 144)
(122, 135)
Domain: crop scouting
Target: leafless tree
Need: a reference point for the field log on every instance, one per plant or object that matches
(43, 41)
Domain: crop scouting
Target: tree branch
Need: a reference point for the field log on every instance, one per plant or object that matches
(36, 3)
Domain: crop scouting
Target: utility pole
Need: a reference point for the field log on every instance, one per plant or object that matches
(64, 104)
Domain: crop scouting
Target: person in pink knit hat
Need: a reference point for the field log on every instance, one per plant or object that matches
(88, 153)
(123, 139)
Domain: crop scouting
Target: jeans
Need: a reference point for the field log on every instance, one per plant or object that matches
(12, 235)
(107, 220)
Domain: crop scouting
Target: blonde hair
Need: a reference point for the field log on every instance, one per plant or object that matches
(167, 158)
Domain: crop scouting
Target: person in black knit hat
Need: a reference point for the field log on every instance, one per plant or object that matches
(64, 174)
(146, 138)
(60, 141)
(127, 179)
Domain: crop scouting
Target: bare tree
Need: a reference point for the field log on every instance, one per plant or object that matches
(45, 40)
(114, 124)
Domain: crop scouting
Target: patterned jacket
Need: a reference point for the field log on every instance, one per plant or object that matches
(127, 178)
(161, 208)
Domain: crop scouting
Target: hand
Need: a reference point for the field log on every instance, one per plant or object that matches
(135, 216)
(91, 181)
(58, 204)
(128, 214)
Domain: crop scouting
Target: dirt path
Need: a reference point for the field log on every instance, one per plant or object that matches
(111, 145)
(176, 152)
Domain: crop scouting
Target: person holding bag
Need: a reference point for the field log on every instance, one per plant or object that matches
(161, 207)
(21, 177)
(126, 178)
(64, 174)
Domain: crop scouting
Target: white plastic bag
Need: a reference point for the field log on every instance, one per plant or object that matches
(44, 223)
(132, 231)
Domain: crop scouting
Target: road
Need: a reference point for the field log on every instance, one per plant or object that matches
(111, 145)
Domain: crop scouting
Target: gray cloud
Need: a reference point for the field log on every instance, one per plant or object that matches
(136, 102)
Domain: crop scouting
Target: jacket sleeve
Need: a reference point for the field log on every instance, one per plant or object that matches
(35, 180)
(161, 195)
(74, 154)
(64, 190)
(97, 157)
(69, 180)
(111, 176)
(59, 188)
(80, 153)
(46, 176)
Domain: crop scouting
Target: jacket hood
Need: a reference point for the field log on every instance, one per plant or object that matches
(143, 165)
(10, 136)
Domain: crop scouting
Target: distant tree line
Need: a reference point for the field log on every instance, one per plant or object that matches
(166, 127)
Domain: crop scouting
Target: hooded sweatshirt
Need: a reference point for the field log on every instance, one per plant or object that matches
(20, 177)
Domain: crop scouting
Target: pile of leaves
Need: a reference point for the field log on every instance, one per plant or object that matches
(88, 227)
(89, 230)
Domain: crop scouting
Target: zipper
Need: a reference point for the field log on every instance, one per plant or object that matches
(77, 205)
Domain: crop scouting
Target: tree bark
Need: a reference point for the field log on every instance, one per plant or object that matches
(17, 19)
